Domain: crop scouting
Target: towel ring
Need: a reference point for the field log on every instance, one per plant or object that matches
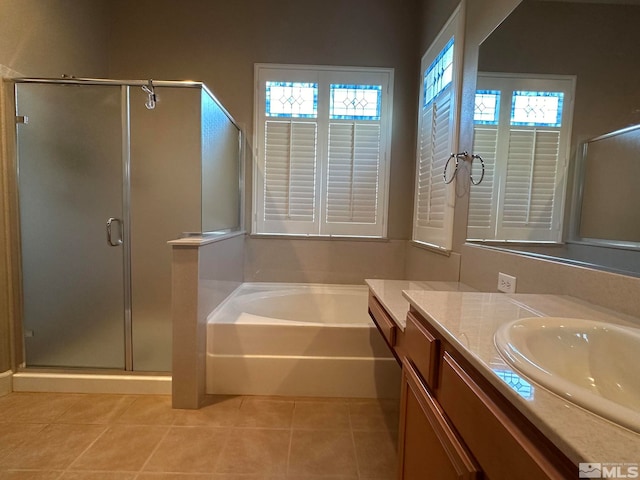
(457, 157)
(455, 170)
(473, 157)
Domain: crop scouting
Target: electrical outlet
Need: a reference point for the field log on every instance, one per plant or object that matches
(506, 283)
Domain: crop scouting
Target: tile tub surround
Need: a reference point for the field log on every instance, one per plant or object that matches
(468, 320)
(481, 264)
(204, 271)
(74, 436)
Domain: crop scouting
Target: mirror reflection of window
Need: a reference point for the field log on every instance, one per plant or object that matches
(597, 43)
(522, 126)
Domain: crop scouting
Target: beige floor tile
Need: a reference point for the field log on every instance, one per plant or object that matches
(221, 411)
(218, 476)
(121, 448)
(374, 415)
(148, 410)
(35, 407)
(376, 453)
(255, 451)
(188, 450)
(232, 476)
(322, 452)
(29, 475)
(98, 409)
(54, 447)
(98, 476)
(393, 476)
(14, 434)
(319, 415)
(323, 477)
(265, 413)
(113, 437)
(175, 476)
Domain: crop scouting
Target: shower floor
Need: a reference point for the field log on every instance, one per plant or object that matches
(73, 436)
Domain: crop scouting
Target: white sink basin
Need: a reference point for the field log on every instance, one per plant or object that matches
(593, 364)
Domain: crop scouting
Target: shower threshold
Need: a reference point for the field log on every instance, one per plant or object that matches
(30, 380)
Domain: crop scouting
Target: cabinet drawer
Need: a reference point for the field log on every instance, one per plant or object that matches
(429, 447)
(423, 349)
(503, 448)
(383, 321)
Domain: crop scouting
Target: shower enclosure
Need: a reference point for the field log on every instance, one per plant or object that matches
(108, 172)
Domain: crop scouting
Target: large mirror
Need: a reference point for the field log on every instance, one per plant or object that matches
(555, 79)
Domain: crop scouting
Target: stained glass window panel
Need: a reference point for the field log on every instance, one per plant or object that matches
(292, 99)
(537, 109)
(439, 74)
(355, 102)
(486, 107)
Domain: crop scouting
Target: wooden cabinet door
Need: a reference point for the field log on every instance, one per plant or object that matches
(429, 448)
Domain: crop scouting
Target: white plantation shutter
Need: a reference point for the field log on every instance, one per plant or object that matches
(322, 150)
(289, 175)
(435, 148)
(522, 195)
(483, 196)
(437, 137)
(531, 179)
(353, 178)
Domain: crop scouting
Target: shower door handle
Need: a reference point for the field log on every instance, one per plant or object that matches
(110, 241)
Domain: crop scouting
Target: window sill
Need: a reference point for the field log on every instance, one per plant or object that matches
(281, 236)
(432, 248)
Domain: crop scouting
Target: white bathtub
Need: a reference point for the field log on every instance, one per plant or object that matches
(298, 339)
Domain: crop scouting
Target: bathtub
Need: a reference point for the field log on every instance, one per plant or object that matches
(298, 340)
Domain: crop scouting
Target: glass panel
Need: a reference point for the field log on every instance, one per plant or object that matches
(292, 99)
(355, 102)
(486, 108)
(165, 202)
(535, 109)
(439, 74)
(220, 169)
(70, 183)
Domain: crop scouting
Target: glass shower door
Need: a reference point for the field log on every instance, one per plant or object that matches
(70, 180)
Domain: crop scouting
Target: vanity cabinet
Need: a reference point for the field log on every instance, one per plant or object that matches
(429, 446)
(454, 424)
(383, 320)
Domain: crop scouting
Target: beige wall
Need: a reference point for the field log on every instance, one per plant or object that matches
(48, 38)
(42, 38)
(219, 42)
(433, 15)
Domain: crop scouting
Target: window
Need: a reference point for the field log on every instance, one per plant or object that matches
(437, 138)
(522, 130)
(322, 150)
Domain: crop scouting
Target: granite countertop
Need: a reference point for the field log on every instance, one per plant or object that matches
(468, 320)
(389, 292)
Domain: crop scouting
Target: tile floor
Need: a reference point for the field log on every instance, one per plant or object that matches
(47, 436)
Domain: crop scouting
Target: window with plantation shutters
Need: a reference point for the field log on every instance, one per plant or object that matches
(522, 131)
(437, 138)
(322, 150)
